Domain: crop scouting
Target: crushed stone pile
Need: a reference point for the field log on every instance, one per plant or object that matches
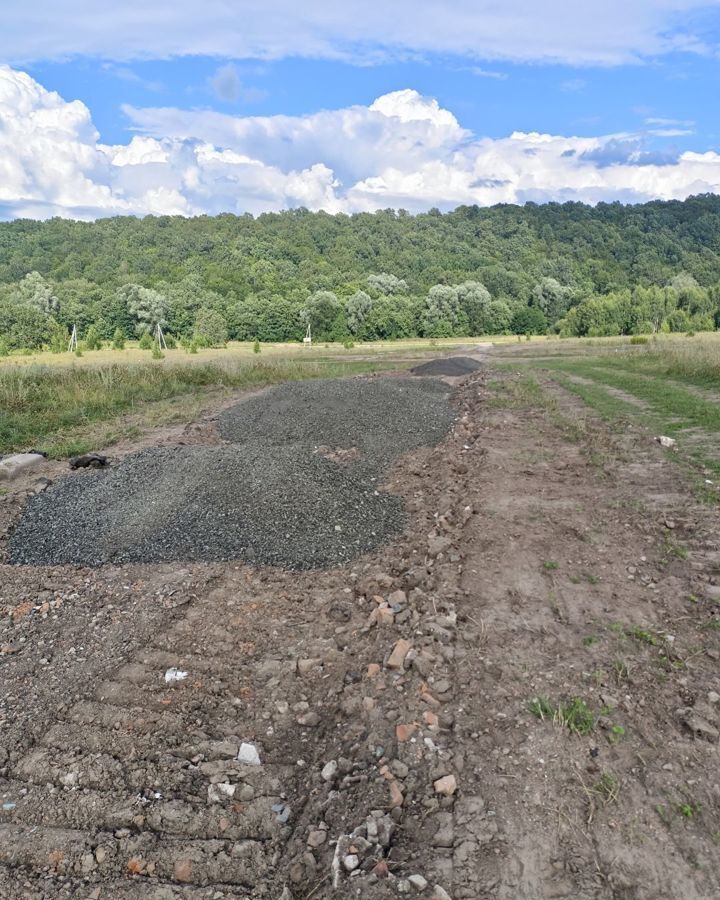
(454, 366)
(268, 498)
(381, 417)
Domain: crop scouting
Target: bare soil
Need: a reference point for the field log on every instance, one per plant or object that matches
(543, 558)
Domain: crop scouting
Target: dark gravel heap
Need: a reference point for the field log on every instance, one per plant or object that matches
(267, 499)
(454, 366)
(382, 417)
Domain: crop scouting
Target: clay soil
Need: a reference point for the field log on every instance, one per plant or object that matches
(516, 699)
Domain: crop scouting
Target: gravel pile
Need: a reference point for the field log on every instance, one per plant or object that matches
(454, 366)
(269, 498)
(381, 417)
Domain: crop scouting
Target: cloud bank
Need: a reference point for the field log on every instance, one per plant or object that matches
(402, 151)
(607, 32)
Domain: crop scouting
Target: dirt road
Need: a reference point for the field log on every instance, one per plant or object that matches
(546, 565)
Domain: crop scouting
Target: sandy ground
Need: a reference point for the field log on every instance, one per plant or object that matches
(388, 700)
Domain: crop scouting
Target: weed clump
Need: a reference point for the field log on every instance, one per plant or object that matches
(575, 715)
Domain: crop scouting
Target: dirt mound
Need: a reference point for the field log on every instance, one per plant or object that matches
(453, 366)
(270, 498)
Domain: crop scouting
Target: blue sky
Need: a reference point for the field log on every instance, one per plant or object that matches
(507, 96)
(185, 108)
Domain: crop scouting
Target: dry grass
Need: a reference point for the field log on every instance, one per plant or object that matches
(55, 408)
(243, 351)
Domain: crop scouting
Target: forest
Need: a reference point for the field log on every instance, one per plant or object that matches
(568, 269)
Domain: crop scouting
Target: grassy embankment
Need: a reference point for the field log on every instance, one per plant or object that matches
(66, 407)
(670, 386)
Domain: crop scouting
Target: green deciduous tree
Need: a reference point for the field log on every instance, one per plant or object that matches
(211, 329)
(357, 309)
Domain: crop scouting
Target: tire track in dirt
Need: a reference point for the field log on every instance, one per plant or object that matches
(388, 699)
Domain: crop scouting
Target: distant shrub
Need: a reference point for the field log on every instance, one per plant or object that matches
(170, 342)
(78, 351)
(118, 341)
(4, 347)
(58, 335)
(192, 347)
(92, 339)
(146, 341)
(689, 334)
(638, 339)
(348, 345)
(256, 347)
(157, 352)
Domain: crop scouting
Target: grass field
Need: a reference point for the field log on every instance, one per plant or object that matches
(670, 385)
(67, 405)
(236, 350)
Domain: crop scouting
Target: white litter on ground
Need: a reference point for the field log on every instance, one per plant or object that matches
(175, 675)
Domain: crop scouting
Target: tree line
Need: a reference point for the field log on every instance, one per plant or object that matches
(564, 268)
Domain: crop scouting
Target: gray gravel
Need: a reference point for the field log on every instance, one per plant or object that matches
(382, 417)
(267, 499)
(454, 366)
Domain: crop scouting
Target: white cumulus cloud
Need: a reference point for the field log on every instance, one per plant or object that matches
(403, 150)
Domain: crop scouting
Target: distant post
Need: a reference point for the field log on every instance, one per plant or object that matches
(72, 346)
(307, 340)
(160, 337)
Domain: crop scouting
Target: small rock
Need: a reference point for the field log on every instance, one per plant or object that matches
(396, 795)
(403, 886)
(316, 839)
(381, 615)
(437, 544)
(306, 666)
(418, 882)
(219, 793)
(309, 720)
(397, 598)
(248, 754)
(439, 893)
(399, 652)
(399, 769)
(351, 862)
(665, 441)
(713, 697)
(447, 785)
(329, 771)
(183, 870)
(404, 732)
(381, 869)
(12, 466)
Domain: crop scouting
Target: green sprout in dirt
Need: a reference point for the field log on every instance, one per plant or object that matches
(688, 810)
(607, 788)
(621, 672)
(542, 708)
(550, 565)
(589, 640)
(575, 715)
(672, 548)
(643, 635)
